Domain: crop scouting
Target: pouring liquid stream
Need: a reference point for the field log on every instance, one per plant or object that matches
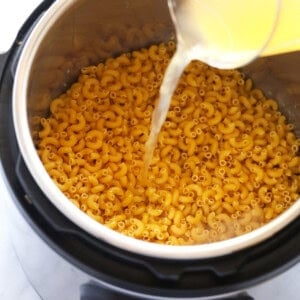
(223, 35)
(191, 45)
(172, 75)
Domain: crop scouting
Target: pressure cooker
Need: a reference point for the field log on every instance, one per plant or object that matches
(92, 261)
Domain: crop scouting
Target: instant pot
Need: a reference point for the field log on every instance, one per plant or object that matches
(66, 259)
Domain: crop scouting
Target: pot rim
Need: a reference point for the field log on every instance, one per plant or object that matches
(69, 210)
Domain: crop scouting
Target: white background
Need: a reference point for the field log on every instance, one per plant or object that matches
(12, 15)
(13, 283)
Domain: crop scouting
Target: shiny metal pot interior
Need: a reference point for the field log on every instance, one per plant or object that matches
(73, 34)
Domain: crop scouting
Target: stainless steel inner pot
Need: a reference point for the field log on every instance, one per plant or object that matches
(73, 34)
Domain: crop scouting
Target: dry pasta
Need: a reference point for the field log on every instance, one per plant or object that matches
(226, 161)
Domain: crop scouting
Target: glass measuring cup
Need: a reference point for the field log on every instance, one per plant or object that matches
(231, 33)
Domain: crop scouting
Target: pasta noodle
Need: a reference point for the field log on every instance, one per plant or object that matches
(226, 161)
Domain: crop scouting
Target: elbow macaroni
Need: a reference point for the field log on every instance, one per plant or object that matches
(226, 161)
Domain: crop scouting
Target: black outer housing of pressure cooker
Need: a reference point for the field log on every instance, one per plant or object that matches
(106, 263)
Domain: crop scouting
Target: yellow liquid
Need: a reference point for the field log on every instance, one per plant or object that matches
(224, 34)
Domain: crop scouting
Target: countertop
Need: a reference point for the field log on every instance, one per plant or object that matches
(13, 282)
